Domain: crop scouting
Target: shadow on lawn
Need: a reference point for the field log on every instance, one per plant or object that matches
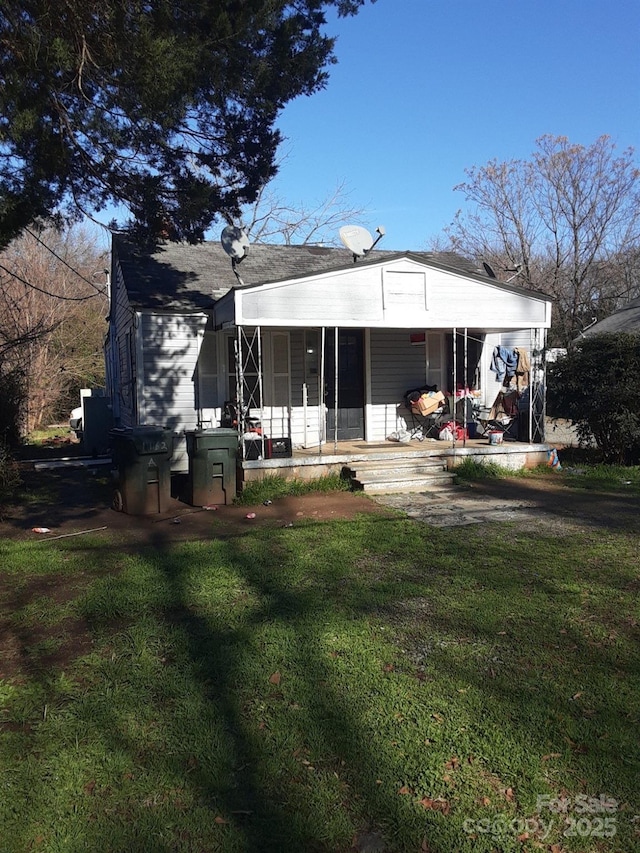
(544, 720)
(271, 804)
(267, 796)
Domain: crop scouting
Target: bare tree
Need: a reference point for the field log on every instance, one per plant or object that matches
(274, 220)
(52, 310)
(566, 222)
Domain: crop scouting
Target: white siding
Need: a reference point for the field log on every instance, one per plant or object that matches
(517, 338)
(401, 293)
(512, 339)
(170, 344)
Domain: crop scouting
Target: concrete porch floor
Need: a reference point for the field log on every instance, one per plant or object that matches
(331, 458)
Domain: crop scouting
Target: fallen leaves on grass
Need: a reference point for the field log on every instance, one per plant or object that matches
(437, 805)
(276, 678)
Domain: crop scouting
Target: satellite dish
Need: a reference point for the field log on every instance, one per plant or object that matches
(488, 269)
(357, 239)
(235, 243)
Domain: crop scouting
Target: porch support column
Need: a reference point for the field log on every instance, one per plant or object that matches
(464, 389)
(537, 388)
(323, 337)
(455, 379)
(335, 394)
(237, 347)
(260, 389)
(248, 357)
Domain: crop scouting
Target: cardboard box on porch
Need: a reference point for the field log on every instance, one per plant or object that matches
(428, 403)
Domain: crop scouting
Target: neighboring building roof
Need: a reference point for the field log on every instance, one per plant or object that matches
(625, 319)
(188, 277)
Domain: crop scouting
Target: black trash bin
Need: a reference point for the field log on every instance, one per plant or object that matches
(212, 466)
(142, 456)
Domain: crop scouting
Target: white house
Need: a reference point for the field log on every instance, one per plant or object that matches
(295, 335)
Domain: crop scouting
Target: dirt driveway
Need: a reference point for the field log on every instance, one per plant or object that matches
(74, 500)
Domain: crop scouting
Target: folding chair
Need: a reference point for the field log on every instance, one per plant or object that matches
(504, 415)
(426, 406)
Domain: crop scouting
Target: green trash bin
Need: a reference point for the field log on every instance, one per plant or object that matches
(142, 456)
(212, 466)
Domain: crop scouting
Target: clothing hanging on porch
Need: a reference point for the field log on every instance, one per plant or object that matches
(511, 364)
(504, 361)
(523, 369)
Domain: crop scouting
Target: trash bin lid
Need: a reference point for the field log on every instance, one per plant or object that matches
(211, 439)
(145, 439)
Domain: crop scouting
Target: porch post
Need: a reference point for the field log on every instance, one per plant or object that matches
(335, 394)
(455, 378)
(237, 346)
(248, 355)
(537, 386)
(464, 389)
(323, 337)
(260, 389)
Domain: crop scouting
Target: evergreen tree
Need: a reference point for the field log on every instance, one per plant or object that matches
(167, 106)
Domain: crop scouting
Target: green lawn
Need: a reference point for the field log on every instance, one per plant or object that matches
(306, 689)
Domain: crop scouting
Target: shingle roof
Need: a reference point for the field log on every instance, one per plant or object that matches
(179, 276)
(625, 319)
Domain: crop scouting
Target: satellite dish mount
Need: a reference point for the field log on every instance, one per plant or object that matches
(358, 239)
(488, 270)
(235, 243)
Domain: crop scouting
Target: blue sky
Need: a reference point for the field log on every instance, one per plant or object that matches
(426, 88)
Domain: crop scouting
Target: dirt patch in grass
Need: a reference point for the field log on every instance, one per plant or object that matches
(38, 644)
(72, 500)
(30, 649)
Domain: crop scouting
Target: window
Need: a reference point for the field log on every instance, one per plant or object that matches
(311, 356)
(435, 361)
(208, 372)
(280, 368)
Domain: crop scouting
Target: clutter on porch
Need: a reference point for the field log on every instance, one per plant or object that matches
(425, 405)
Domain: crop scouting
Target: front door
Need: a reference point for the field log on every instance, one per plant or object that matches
(350, 413)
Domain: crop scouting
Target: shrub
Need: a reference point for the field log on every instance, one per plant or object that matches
(9, 476)
(596, 386)
(12, 400)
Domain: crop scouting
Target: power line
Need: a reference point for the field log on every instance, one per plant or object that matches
(62, 261)
(46, 292)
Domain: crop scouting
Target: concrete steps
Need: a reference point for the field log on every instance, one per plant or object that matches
(393, 476)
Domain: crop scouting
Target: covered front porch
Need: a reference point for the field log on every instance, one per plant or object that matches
(330, 392)
(321, 366)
